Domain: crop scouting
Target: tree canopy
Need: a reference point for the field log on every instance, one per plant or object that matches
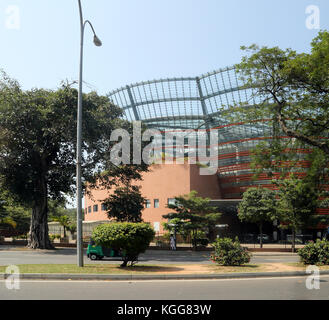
(125, 204)
(193, 213)
(38, 145)
(292, 89)
(258, 205)
(298, 201)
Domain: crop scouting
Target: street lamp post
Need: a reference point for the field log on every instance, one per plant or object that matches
(98, 43)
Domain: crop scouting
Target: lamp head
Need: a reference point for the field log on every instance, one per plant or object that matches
(97, 41)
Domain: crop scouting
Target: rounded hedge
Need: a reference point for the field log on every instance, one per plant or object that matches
(129, 238)
(229, 253)
(315, 253)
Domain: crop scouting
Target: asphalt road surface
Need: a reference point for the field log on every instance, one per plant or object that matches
(68, 256)
(292, 288)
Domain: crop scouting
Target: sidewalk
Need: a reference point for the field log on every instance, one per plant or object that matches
(121, 277)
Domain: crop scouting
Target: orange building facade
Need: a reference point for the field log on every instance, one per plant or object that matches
(159, 186)
(191, 107)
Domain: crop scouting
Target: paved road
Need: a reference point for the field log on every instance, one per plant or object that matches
(238, 289)
(68, 256)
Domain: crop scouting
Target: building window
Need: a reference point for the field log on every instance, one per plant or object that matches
(95, 208)
(89, 209)
(172, 201)
(156, 203)
(104, 207)
(156, 226)
(148, 203)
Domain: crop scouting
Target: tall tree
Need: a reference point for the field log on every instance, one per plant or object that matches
(38, 145)
(125, 204)
(297, 205)
(195, 213)
(292, 90)
(258, 205)
(64, 221)
(125, 201)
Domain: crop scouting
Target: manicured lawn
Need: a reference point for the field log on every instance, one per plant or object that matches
(137, 269)
(92, 269)
(158, 269)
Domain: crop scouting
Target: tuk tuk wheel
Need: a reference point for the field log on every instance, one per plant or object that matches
(93, 256)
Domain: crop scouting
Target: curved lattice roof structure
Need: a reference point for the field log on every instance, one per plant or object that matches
(194, 103)
(182, 103)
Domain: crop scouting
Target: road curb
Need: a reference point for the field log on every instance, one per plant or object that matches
(123, 277)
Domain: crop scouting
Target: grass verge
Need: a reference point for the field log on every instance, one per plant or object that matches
(137, 269)
(156, 269)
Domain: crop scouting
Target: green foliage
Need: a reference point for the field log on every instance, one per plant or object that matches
(21, 217)
(199, 238)
(131, 239)
(315, 253)
(16, 217)
(292, 93)
(38, 145)
(229, 253)
(64, 221)
(297, 204)
(192, 213)
(292, 89)
(258, 205)
(72, 227)
(110, 175)
(52, 237)
(67, 223)
(166, 236)
(57, 208)
(125, 204)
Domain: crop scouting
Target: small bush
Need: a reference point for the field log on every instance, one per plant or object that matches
(129, 238)
(166, 237)
(229, 253)
(199, 238)
(315, 253)
(52, 237)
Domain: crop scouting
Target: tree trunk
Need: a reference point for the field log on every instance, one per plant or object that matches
(261, 234)
(194, 243)
(39, 237)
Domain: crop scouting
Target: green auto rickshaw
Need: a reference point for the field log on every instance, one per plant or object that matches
(95, 252)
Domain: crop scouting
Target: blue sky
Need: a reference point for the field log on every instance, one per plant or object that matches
(145, 39)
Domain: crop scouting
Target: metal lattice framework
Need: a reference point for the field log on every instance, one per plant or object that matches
(192, 103)
(182, 103)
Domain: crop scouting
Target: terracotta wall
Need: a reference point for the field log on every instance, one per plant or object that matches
(163, 182)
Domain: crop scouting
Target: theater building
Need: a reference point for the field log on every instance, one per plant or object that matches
(191, 106)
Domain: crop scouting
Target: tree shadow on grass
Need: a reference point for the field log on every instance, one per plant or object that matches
(242, 267)
(141, 268)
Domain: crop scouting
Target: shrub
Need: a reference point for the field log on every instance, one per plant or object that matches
(166, 237)
(130, 238)
(229, 252)
(200, 238)
(52, 237)
(315, 253)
